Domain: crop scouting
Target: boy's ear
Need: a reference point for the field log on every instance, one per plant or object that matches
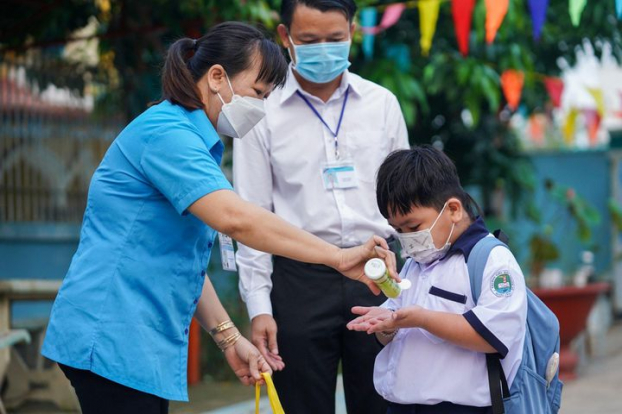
(456, 209)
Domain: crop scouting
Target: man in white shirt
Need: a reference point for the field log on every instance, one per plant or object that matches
(313, 161)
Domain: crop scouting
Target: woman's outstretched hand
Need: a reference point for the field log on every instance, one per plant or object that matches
(247, 362)
(352, 261)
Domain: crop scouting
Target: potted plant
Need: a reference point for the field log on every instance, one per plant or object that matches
(571, 303)
(569, 210)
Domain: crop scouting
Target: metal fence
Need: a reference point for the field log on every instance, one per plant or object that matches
(50, 144)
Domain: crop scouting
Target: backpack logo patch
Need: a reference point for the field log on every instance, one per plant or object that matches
(502, 285)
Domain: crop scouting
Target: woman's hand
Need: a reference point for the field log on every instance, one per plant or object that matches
(352, 261)
(246, 361)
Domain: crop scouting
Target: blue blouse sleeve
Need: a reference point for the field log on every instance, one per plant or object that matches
(179, 164)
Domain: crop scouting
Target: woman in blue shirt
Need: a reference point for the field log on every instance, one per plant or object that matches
(119, 325)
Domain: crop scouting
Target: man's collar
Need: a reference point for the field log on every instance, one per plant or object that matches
(467, 240)
(292, 85)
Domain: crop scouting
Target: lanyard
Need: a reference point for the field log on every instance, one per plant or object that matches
(336, 133)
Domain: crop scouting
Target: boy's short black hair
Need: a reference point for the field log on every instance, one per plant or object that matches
(348, 7)
(423, 177)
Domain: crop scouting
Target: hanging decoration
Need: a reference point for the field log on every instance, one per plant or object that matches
(495, 13)
(592, 121)
(537, 9)
(555, 87)
(570, 125)
(512, 85)
(597, 94)
(368, 18)
(390, 16)
(428, 16)
(462, 11)
(575, 7)
(537, 128)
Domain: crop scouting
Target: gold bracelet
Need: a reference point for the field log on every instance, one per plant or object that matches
(223, 326)
(228, 341)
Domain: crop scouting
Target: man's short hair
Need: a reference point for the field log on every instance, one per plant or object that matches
(347, 7)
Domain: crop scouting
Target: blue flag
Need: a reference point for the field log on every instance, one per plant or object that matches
(369, 17)
(538, 15)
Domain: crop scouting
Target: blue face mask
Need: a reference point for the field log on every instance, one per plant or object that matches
(321, 62)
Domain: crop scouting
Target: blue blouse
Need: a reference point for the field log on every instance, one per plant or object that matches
(125, 305)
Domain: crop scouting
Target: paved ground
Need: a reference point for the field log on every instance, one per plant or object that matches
(598, 390)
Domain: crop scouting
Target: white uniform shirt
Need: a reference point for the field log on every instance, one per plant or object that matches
(417, 367)
(278, 166)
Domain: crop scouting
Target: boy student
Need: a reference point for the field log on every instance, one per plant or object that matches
(435, 336)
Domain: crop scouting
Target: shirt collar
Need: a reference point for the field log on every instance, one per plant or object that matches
(199, 119)
(292, 85)
(467, 240)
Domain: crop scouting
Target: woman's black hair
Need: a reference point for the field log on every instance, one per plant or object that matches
(233, 45)
(422, 177)
(347, 7)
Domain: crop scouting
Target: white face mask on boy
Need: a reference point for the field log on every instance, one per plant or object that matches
(239, 116)
(420, 246)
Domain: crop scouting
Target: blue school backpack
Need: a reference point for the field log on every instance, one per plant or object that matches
(530, 392)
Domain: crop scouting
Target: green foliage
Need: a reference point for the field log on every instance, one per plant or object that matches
(133, 35)
(569, 210)
(407, 89)
(543, 249)
(486, 152)
(23, 22)
(615, 210)
(584, 214)
(473, 82)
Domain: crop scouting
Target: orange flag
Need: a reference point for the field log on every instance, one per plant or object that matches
(592, 121)
(495, 12)
(512, 84)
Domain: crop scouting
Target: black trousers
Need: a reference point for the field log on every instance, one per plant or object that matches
(98, 395)
(442, 408)
(311, 305)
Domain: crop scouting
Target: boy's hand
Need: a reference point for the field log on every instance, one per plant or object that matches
(373, 320)
(367, 315)
(408, 317)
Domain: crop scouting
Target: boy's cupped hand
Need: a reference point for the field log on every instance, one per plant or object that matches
(377, 319)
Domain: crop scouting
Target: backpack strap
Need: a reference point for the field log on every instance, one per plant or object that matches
(497, 383)
(476, 264)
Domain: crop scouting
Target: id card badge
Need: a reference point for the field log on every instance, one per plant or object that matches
(227, 254)
(339, 174)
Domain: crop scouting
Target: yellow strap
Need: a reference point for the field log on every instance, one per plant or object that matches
(273, 397)
(257, 397)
